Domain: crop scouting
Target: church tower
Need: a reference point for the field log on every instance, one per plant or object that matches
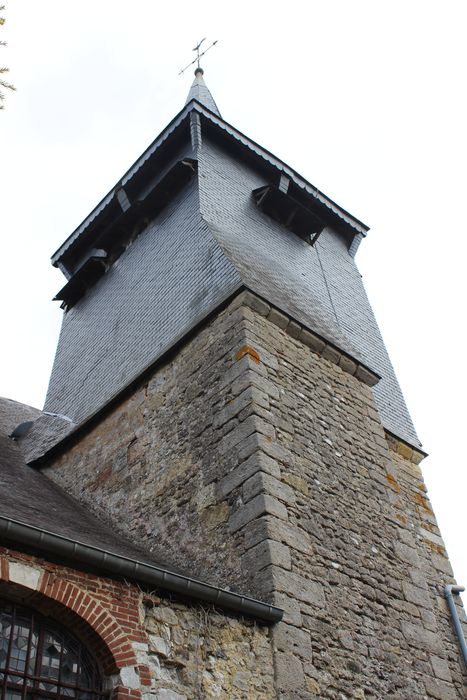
(222, 395)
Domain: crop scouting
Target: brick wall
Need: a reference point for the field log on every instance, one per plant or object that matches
(104, 613)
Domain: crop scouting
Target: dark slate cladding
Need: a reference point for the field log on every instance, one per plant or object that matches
(208, 242)
(318, 285)
(171, 277)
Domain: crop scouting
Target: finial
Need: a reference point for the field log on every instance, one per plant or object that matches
(198, 69)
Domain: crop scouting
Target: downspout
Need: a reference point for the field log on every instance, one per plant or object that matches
(448, 592)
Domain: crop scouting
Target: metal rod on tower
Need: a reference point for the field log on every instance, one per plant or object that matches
(198, 54)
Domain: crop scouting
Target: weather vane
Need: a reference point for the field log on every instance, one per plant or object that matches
(198, 54)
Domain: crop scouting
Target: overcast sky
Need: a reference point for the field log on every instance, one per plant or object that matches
(365, 99)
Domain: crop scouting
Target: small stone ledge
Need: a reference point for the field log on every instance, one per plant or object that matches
(403, 449)
(316, 343)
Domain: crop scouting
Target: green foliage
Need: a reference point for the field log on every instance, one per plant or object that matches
(3, 83)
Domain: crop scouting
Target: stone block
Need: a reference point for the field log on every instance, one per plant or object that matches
(163, 614)
(278, 318)
(404, 450)
(420, 637)
(257, 462)
(441, 563)
(212, 516)
(256, 303)
(168, 694)
(418, 577)
(266, 553)
(291, 639)
(407, 554)
(439, 689)
(290, 677)
(265, 355)
(265, 483)
(232, 408)
(294, 329)
(159, 645)
(312, 686)
(254, 509)
(416, 595)
(429, 619)
(432, 537)
(249, 446)
(239, 367)
(347, 364)
(247, 350)
(205, 497)
(296, 482)
(331, 354)
(249, 396)
(365, 376)
(250, 378)
(291, 608)
(312, 341)
(250, 425)
(278, 530)
(27, 576)
(441, 668)
(276, 451)
(129, 678)
(296, 586)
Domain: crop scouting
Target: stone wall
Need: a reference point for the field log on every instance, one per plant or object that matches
(354, 554)
(254, 460)
(152, 465)
(196, 653)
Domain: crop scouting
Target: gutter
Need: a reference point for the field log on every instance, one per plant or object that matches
(61, 546)
(448, 592)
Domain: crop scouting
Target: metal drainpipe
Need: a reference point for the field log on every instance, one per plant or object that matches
(448, 591)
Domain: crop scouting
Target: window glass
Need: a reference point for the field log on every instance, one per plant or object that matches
(40, 659)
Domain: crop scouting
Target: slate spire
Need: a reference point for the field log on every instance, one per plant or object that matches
(200, 92)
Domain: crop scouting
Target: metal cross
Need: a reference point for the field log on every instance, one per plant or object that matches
(198, 54)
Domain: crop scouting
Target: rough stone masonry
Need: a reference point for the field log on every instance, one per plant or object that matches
(254, 457)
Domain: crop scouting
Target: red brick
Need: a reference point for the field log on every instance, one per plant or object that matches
(4, 572)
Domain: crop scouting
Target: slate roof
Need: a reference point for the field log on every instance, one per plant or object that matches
(319, 285)
(12, 413)
(209, 242)
(200, 92)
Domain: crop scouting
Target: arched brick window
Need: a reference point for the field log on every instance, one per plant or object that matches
(41, 659)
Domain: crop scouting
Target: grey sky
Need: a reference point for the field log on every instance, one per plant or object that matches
(365, 99)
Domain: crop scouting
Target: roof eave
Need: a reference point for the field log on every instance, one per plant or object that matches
(346, 218)
(118, 565)
(282, 167)
(104, 203)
